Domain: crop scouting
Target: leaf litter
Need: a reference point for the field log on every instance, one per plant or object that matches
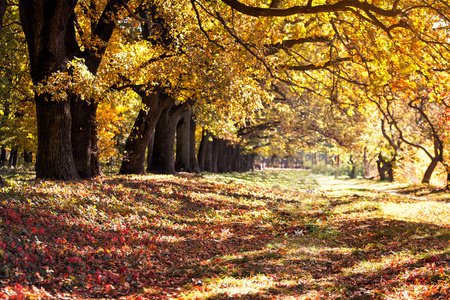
(210, 237)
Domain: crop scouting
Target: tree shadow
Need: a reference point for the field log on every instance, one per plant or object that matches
(110, 237)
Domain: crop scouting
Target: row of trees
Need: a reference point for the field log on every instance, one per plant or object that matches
(261, 77)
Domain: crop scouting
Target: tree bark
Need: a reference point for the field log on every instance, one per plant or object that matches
(81, 136)
(2, 156)
(366, 164)
(193, 161)
(237, 158)
(222, 156)
(45, 25)
(385, 168)
(3, 5)
(144, 126)
(209, 155)
(230, 157)
(183, 156)
(163, 148)
(150, 151)
(352, 173)
(13, 157)
(215, 154)
(429, 171)
(202, 151)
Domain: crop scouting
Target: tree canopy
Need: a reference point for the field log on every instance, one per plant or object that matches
(275, 77)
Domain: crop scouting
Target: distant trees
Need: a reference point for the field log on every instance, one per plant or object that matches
(269, 80)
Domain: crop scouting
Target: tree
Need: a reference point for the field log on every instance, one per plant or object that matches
(51, 36)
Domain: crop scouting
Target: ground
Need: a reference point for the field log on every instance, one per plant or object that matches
(264, 235)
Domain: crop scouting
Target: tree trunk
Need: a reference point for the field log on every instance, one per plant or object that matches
(144, 126)
(27, 156)
(252, 161)
(430, 169)
(209, 154)
(448, 181)
(182, 161)
(385, 168)
(237, 158)
(202, 150)
(2, 156)
(366, 164)
(48, 38)
(193, 161)
(84, 138)
(96, 169)
(222, 156)
(215, 154)
(163, 148)
(3, 5)
(84, 112)
(81, 136)
(230, 157)
(150, 151)
(352, 173)
(13, 157)
(54, 158)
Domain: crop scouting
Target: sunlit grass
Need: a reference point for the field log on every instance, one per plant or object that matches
(257, 235)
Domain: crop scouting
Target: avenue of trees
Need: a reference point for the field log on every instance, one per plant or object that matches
(200, 85)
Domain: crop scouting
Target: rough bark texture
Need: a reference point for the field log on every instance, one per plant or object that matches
(182, 161)
(142, 131)
(45, 24)
(54, 158)
(163, 147)
(193, 160)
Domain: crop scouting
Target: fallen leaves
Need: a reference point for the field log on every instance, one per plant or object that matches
(168, 237)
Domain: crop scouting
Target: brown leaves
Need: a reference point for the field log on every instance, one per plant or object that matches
(168, 237)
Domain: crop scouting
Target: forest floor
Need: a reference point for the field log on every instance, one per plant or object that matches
(263, 235)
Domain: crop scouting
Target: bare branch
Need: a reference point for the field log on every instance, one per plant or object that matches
(343, 5)
(312, 67)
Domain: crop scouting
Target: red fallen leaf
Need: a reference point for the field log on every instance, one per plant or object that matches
(122, 270)
(135, 276)
(18, 287)
(34, 230)
(98, 279)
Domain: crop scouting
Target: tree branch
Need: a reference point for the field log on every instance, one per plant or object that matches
(343, 5)
(312, 67)
(275, 48)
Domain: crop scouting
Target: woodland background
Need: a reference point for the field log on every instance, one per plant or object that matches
(165, 86)
(96, 93)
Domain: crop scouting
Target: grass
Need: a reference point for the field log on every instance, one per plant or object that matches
(281, 234)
